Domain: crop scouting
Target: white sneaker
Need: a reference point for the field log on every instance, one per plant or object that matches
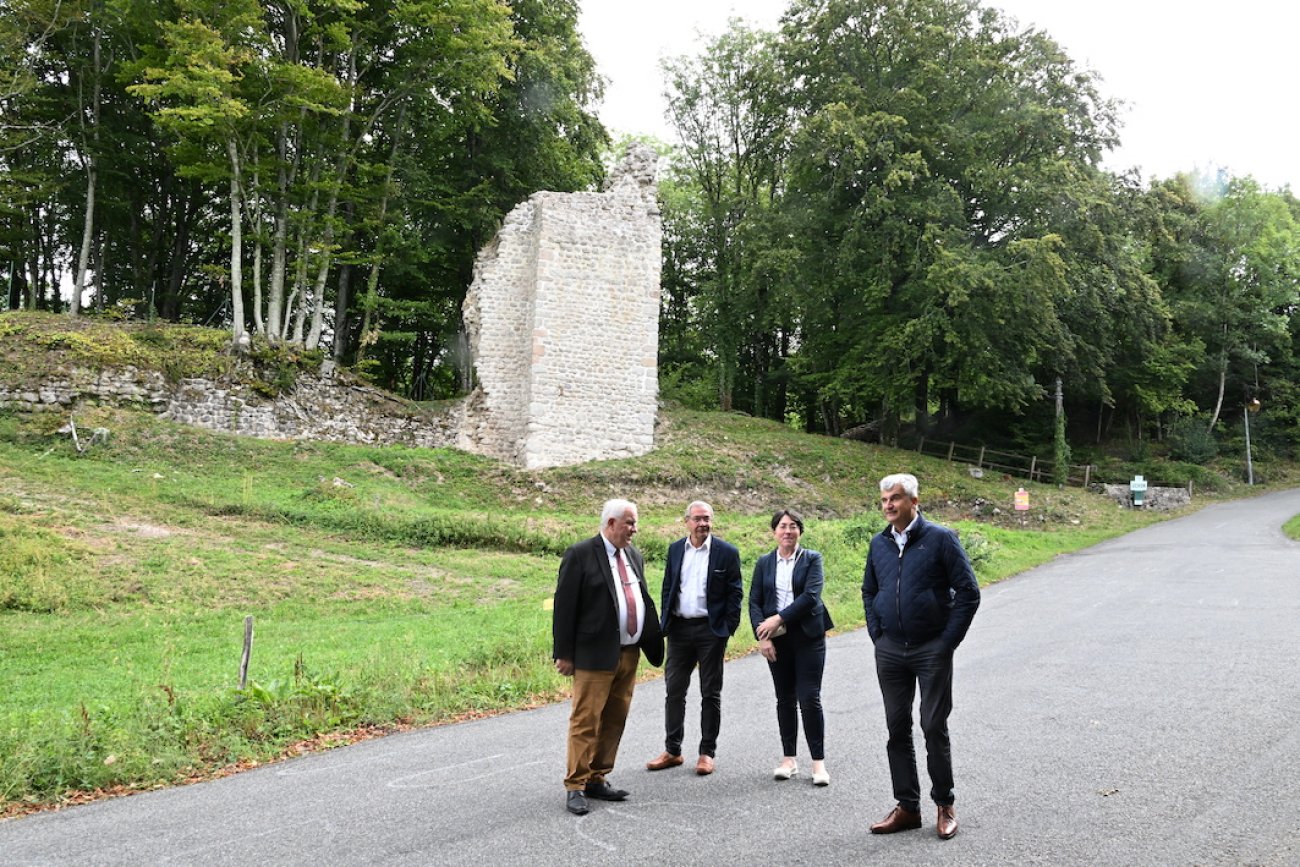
(821, 778)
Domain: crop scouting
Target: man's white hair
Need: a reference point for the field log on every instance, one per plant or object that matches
(910, 486)
(700, 504)
(614, 510)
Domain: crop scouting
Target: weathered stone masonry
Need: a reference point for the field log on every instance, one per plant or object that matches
(563, 325)
(318, 408)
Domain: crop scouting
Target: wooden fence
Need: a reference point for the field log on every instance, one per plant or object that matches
(1026, 466)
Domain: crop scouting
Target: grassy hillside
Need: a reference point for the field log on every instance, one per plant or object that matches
(390, 587)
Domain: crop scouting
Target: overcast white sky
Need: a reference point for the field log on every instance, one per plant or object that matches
(1206, 84)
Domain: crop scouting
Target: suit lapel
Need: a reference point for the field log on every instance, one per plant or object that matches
(714, 553)
(676, 557)
(611, 583)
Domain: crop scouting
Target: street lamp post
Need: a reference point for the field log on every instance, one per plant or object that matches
(1251, 406)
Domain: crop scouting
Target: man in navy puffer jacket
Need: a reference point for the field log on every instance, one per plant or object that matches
(920, 595)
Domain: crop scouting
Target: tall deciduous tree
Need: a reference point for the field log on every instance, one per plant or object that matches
(1229, 254)
(197, 89)
(727, 107)
(473, 149)
(936, 141)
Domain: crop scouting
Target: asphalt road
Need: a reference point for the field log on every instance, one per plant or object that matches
(1135, 703)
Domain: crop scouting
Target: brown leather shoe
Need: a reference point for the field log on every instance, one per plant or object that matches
(946, 824)
(704, 766)
(897, 820)
(664, 760)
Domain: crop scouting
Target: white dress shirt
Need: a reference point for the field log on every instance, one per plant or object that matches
(621, 597)
(901, 538)
(691, 601)
(785, 578)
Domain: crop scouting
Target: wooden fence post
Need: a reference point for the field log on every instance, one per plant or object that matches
(951, 445)
(248, 651)
(980, 462)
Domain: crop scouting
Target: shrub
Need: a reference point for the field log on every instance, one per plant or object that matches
(688, 387)
(1189, 440)
(979, 549)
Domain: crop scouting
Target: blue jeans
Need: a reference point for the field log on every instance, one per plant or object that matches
(797, 678)
(900, 668)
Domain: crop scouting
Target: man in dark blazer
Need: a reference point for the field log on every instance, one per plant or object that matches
(603, 619)
(702, 592)
(920, 596)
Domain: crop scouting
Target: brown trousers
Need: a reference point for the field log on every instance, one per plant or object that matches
(600, 703)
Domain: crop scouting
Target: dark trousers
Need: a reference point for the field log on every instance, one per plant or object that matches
(692, 643)
(797, 678)
(900, 668)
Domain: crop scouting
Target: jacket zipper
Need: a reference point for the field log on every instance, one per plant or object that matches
(898, 594)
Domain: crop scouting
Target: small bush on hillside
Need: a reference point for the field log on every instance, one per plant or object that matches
(688, 388)
(978, 548)
(1189, 440)
(859, 529)
(1139, 451)
(277, 367)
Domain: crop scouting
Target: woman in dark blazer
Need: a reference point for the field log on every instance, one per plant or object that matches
(790, 623)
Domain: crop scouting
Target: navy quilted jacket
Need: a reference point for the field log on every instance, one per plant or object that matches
(926, 591)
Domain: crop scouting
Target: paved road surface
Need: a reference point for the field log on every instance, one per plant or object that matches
(1136, 703)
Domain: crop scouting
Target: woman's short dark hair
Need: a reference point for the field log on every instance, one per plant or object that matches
(788, 513)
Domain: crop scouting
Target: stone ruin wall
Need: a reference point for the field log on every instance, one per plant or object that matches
(563, 323)
(331, 409)
(1160, 499)
(563, 326)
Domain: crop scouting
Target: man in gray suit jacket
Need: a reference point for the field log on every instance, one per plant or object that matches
(603, 619)
(702, 593)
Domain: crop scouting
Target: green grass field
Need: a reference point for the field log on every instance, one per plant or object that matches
(390, 587)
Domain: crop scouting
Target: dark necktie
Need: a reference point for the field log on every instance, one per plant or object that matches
(627, 592)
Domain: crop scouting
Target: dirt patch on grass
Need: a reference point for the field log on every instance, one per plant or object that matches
(141, 528)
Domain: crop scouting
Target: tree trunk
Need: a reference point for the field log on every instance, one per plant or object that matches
(87, 238)
(90, 148)
(1218, 401)
(236, 244)
(341, 302)
(299, 310)
(259, 324)
(144, 266)
(922, 403)
(294, 306)
(188, 209)
(279, 244)
(34, 266)
(253, 210)
(365, 337)
(98, 262)
(341, 168)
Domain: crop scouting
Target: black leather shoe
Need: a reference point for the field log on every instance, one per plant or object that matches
(576, 804)
(603, 791)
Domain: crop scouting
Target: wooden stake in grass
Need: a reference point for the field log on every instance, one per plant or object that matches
(248, 651)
